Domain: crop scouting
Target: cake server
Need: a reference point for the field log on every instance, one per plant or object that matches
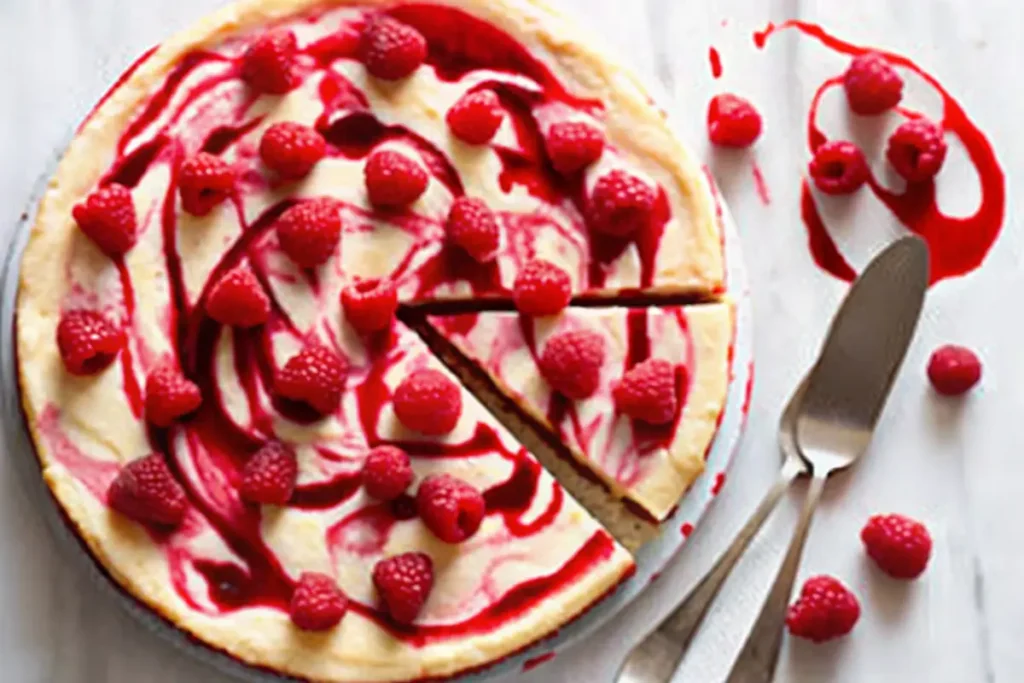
(845, 393)
(872, 330)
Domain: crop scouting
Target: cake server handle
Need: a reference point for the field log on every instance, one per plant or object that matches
(658, 655)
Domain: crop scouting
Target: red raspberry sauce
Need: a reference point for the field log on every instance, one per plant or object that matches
(715, 61)
(958, 245)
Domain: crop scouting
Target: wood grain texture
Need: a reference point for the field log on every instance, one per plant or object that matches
(954, 464)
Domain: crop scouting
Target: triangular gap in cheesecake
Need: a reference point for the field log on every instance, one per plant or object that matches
(627, 523)
(649, 466)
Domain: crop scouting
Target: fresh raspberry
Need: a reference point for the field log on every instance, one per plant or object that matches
(647, 392)
(269, 63)
(449, 507)
(309, 232)
(838, 167)
(573, 145)
(387, 472)
(88, 342)
(317, 603)
(476, 117)
(621, 204)
(146, 491)
(393, 179)
(269, 476)
(872, 84)
(170, 396)
(107, 217)
(733, 121)
(917, 150)
(428, 402)
(899, 545)
(571, 363)
(404, 583)
(204, 181)
(541, 288)
(826, 609)
(314, 376)
(238, 300)
(390, 49)
(953, 370)
(370, 304)
(291, 149)
(473, 226)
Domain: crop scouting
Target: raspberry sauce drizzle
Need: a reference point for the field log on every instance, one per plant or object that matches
(213, 443)
(957, 245)
(715, 60)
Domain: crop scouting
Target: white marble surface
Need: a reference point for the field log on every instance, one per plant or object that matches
(956, 465)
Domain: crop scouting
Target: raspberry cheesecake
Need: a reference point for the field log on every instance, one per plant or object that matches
(635, 394)
(222, 393)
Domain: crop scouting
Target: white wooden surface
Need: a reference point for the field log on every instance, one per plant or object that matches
(957, 465)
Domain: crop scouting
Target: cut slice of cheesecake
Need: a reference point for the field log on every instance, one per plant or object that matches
(651, 465)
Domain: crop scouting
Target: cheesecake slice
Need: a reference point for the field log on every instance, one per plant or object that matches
(650, 458)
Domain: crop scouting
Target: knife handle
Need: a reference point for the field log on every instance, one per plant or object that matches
(760, 654)
(657, 656)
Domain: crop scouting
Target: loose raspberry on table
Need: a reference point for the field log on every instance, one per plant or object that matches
(393, 179)
(825, 610)
(390, 49)
(107, 217)
(872, 84)
(733, 121)
(476, 117)
(404, 583)
(917, 150)
(309, 232)
(427, 401)
(170, 396)
(954, 370)
(87, 341)
(269, 63)
(647, 392)
(838, 167)
(451, 508)
(900, 546)
(145, 491)
(317, 603)
(541, 288)
(204, 181)
(269, 477)
(473, 226)
(387, 472)
(370, 304)
(621, 204)
(571, 363)
(291, 149)
(573, 145)
(238, 300)
(314, 376)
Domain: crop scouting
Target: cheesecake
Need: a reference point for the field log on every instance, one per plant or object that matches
(215, 358)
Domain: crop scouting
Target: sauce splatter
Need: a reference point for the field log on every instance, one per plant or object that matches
(716, 488)
(534, 662)
(686, 529)
(957, 245)
(761, 186)
(716, 62)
